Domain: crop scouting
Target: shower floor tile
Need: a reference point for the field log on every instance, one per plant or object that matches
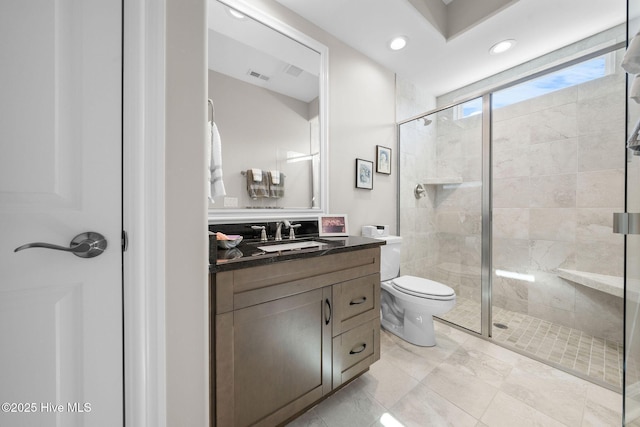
(569, 348)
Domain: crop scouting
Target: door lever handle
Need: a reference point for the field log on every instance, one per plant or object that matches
(84, 245)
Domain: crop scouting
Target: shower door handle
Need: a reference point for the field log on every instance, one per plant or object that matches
(626, 223)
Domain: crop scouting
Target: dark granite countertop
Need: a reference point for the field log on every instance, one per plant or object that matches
(247, 254)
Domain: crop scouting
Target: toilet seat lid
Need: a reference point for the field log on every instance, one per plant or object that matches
(424, 288)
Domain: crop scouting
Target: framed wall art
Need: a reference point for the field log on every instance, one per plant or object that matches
(383, 159)
(364, 174)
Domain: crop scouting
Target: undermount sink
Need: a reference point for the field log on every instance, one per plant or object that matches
(279, 247)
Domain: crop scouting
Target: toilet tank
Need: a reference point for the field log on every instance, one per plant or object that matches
(390, 257)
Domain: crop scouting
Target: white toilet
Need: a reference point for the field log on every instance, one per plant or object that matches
(408, 303)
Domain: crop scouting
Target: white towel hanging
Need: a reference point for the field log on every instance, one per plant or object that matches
(257, 174)
(275, 176)
(216, 184)
(631, 60)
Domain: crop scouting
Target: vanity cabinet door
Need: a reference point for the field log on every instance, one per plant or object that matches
(274, 359)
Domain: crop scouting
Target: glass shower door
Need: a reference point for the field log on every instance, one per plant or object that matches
(441, 204)
(632, 264)
(632, 280)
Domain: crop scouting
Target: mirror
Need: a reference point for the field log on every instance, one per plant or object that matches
(268, 86)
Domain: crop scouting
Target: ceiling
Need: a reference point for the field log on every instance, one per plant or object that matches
(449, 40)
(251, 52)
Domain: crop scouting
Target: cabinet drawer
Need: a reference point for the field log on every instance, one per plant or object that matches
(355, 350)
(355, 301)
(243, 288)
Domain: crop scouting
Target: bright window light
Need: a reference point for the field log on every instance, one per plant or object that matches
(573, 75)
(567, 77)
(517, 276)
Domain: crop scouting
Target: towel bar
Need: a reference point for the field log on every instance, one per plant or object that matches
(245, 172)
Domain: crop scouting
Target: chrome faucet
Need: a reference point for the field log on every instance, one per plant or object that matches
(292, 227)
(279, 231)
(263, 233)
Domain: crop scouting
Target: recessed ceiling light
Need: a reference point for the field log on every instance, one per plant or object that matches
(235, 13)
(398, 43)
(502, 46)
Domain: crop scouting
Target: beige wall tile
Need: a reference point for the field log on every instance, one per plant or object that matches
(600, 257)
(608, 322)
(511, 223)
(600, 151)
(601, 189)
(554, 191)
(511, 192)
(596, 225)
(548, 255)
(605, 114)
(551, 291)
(509, 162)
(553, 158)
(553, 224)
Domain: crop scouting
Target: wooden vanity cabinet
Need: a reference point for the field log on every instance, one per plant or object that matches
(356, 327)
(287, 334)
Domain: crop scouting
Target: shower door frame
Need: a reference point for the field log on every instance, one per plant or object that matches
(487, 181)
(485, 264)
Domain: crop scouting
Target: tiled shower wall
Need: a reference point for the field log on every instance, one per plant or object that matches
(417, 216)
(417, 225)
(558, 175)
(441, 231)
(458, 207)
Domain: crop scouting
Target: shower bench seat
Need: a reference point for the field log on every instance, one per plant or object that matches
(613, 285)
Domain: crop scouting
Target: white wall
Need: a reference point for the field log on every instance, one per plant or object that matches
(258, 127)
(361, 116)
(187, 341)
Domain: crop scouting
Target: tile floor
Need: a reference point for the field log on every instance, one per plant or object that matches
(463, 381)
(570, 348)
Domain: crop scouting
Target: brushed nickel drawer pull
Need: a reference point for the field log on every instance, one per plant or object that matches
(327, 304)
(360, 300)
(360, 348)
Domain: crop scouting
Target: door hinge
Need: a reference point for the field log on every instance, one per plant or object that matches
(125, 241)
(626, 222)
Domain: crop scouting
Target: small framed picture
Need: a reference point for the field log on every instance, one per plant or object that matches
(383, 159)
(364, 174)
(333, 225)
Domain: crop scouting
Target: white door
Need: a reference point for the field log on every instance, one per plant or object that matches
(60, 175)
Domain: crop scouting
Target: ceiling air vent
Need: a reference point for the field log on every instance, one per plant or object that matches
(258, 75)
(292, 70)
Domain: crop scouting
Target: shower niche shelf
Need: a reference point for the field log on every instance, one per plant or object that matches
(443, 180)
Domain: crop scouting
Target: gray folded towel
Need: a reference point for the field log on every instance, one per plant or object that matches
(259, 189)
(276, 191)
